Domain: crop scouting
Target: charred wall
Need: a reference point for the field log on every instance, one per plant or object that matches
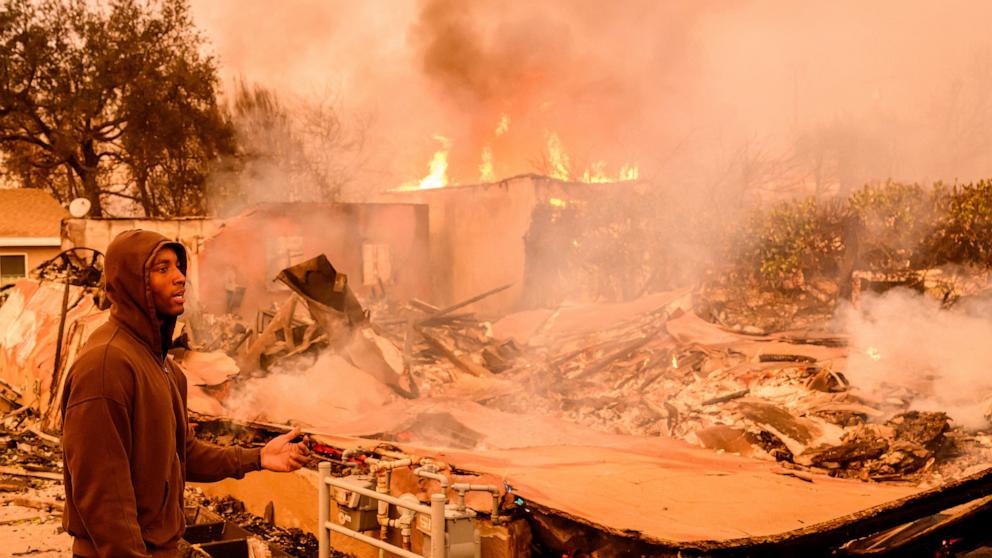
(252, 248)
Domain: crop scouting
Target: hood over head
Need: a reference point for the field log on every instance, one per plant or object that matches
(127, 265)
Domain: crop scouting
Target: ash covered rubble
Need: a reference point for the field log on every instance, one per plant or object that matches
(780, 396)
(648, 367)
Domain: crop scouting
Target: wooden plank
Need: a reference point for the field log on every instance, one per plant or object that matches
(464, 303)
(18, 472)
(626, 350)
(463, 364)
(52, 441)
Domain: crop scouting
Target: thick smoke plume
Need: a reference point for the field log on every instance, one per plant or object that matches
(904, 344)
(710, 97)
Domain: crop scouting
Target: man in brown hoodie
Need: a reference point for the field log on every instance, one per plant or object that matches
(128, 446)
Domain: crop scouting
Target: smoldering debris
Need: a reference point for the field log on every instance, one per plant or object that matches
(648, 367)
(294, 541)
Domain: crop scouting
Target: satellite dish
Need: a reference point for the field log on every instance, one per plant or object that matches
(79, 207)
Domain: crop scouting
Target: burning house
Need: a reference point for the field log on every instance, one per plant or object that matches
(542, 236)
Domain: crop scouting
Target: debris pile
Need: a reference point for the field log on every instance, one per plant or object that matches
(31, 495)
(296, 542)
(219, 332)
(440, 344)
(26, 451)
(665, 371)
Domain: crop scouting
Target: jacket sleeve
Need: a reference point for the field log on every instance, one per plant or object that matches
(96, 440)
(210, 463)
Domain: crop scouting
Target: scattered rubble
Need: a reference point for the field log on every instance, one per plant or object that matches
(702, 367)
(295, 542)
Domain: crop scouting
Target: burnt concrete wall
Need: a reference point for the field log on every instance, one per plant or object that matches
(477, 235)
(252, 248)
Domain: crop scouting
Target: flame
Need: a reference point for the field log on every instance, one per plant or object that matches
(675, 361)
(596, 173)
(629, 172)
(503, 126)
(438, 176)
(558, 163)
(873, 354)
(560, 166)
(486, 173)
(558, 202)
(557, 158)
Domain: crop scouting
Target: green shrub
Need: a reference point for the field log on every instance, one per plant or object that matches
(963, 231)
(793, 240)
(892, 220)
(882, 226)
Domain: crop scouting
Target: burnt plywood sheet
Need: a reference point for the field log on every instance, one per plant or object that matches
(669, 492)
(659, 489)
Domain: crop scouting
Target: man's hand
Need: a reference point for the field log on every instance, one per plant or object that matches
(282, 456)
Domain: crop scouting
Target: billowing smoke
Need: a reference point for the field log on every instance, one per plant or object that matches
(708, 96)
(905, 347)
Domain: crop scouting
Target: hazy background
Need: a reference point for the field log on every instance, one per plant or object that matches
(745, 95)
(717, 103)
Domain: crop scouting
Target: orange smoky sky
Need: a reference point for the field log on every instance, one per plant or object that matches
(675, 87)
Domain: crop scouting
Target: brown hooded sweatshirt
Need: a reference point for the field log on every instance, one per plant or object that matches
(128, 447)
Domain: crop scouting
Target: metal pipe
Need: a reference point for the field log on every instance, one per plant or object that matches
(382, 513)
(427, 474)
(324, 510)
(463, 488)
(370, 540)
(439, 546)
(376, 465)
(419, 508)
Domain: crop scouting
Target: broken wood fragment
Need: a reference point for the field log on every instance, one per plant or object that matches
(728, 397)
(424, 306)
(786, 358)
(37, 503)
(48, 439)
(17, 472)
(449, 353)
(624, 351)
(464, 303)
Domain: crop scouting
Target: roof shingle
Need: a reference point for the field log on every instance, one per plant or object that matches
(29, 212)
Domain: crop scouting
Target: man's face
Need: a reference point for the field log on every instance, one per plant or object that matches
(168, 284)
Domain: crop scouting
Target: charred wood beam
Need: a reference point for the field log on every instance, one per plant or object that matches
(449, 353)
(727, 397)
(466, 302)
(626, 350)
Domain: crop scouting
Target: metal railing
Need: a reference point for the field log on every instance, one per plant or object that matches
(435, 511)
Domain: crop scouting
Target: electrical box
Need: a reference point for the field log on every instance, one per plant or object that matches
(355, 511)
(462, 537)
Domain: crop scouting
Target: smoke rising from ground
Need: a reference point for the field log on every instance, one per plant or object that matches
(704, 94)
(904, 343)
